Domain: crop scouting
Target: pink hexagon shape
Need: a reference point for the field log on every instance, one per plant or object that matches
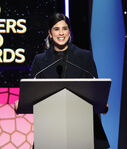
(17, 138)
(4, 138)
(3, 89)
(9, 146)
(6, 111)
(29, 117)
(30, 137)
(14, 90)
(0, 130)
(13, 98)
(3, 98)
(8, 125)
(32, 127)
(23, 125)
(25, 146)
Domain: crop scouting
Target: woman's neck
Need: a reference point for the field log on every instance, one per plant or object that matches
(60, 48)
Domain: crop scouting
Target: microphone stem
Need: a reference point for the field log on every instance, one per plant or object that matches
(80, 68)
(47, 67)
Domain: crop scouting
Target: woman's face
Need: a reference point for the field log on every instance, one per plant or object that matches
(60, 34)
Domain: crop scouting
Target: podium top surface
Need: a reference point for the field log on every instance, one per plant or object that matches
(67, 80)
(94, 91)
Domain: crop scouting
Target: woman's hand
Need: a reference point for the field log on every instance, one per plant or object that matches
(106, 109)
(16, 104)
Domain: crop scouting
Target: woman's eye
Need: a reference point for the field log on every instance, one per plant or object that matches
(65, 28)
(56, 29)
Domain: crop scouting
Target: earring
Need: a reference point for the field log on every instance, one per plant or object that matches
(70, 39)
(47, 42)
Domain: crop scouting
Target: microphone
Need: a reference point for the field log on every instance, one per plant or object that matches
(59, 69)
(47, 67)
(79, 68)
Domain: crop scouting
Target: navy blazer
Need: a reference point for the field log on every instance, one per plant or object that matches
(75, 55)
(83, 59)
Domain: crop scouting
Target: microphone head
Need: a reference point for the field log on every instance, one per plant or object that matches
(59, 70)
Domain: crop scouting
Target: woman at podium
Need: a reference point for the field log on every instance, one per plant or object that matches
(63, 59)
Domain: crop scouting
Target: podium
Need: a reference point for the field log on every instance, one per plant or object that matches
(63, 110)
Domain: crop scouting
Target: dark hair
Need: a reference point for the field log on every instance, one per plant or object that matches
(55, 18)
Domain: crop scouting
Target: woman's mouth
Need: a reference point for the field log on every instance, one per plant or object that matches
(60, 38)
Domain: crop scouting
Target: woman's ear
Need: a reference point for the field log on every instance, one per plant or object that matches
(50, 35)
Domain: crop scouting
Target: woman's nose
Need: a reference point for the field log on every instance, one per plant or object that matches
(61, 32)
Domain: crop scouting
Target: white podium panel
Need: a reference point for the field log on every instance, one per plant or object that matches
(63, 121)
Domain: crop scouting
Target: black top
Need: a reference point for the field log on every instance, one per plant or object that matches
(61, 67)
(74, 63)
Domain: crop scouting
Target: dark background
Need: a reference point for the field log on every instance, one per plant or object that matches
(36, 13)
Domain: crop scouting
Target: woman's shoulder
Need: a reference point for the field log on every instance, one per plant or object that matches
(79, 51)
(41, 56)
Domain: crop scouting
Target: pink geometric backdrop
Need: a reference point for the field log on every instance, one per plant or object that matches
(16, 130)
